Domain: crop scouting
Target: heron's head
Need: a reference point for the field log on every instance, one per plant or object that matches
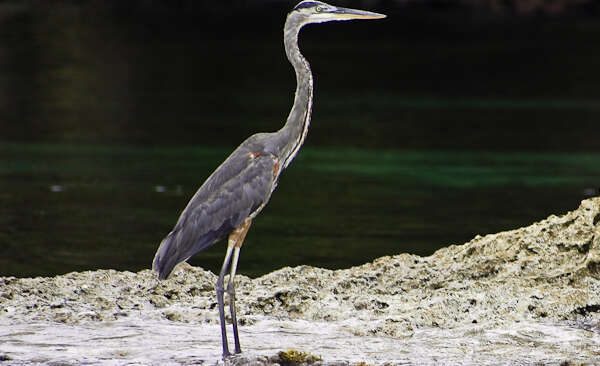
(318, 12)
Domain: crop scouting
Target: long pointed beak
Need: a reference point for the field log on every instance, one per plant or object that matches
(346, 13)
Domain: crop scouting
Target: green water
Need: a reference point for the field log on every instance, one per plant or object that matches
(78, 207)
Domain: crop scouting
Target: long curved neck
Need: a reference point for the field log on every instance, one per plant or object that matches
(294, 131)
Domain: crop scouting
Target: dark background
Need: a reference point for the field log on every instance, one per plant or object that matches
(445, 120)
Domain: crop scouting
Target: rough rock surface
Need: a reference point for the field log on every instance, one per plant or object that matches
(512, 289)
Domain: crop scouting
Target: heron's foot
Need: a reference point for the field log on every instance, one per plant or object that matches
(230, 356)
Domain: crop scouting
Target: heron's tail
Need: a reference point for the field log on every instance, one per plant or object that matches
(166, 257)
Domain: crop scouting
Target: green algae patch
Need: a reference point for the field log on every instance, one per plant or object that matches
(295, 357)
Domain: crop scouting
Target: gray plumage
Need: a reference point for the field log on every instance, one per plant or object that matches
(241, 186)
(237, 190)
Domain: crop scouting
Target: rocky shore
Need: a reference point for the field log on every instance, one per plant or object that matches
(530, 295)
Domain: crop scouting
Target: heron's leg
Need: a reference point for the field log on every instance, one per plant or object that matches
(220, 290)
(236, 239)
(231, 292)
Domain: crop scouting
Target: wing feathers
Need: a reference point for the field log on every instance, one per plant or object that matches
(246, 182)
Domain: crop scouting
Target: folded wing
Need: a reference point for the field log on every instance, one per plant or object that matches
(236, 191)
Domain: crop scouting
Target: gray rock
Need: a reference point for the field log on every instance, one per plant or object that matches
(522, 296)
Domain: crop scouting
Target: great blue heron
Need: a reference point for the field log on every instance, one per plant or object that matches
(241, 186)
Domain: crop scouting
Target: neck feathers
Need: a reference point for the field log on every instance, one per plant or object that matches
(295, 130)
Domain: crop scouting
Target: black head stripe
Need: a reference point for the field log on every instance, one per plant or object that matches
(306, 4)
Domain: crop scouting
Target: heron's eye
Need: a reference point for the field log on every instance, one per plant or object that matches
(319, 9)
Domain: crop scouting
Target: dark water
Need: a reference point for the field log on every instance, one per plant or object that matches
(429, 127)
(75, 207)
